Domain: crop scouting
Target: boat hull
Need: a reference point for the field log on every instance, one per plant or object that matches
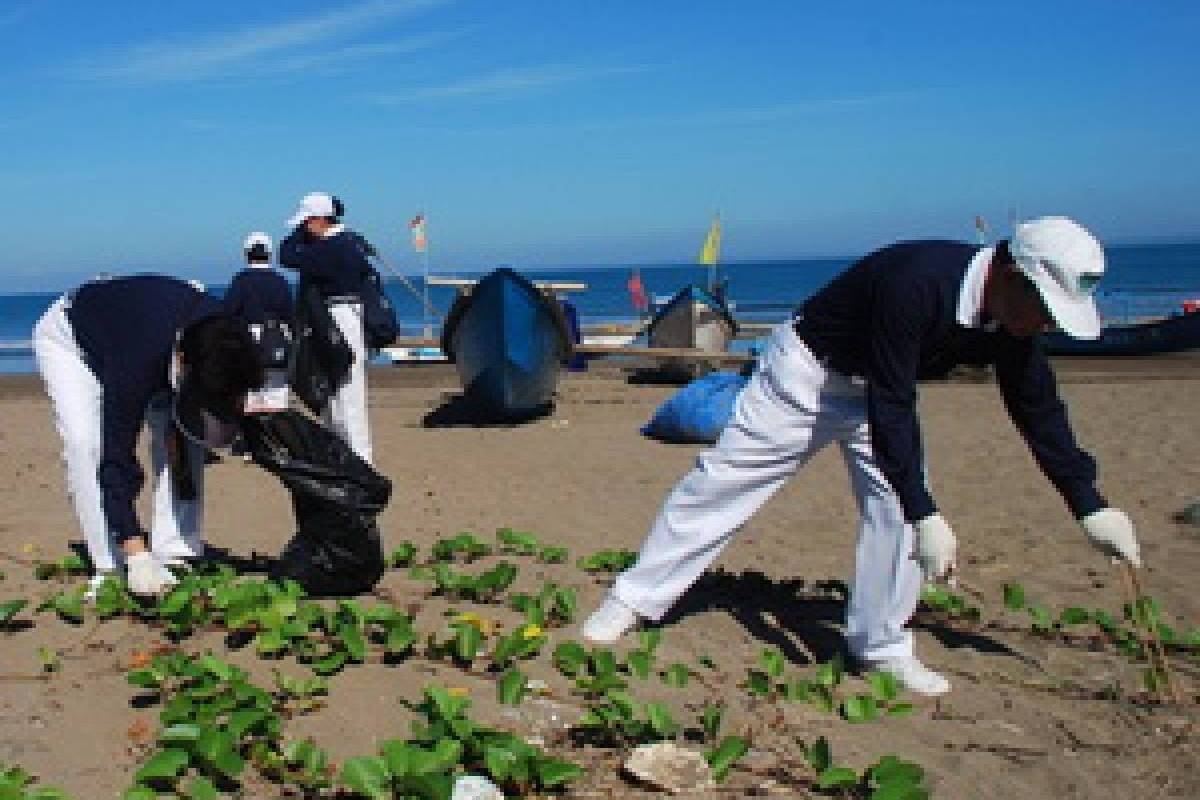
(508, 341)
(692, 319)
(1170, 335)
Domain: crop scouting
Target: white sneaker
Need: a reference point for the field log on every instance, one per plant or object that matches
(146, 577)
(608, 623)
(913, 675)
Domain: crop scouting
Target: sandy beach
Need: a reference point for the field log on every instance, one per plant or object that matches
(1029, 717)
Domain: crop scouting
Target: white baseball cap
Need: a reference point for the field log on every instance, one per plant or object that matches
(313, 204)
(256, 238)
(1065, 263)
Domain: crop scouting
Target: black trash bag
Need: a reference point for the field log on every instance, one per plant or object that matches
(380, 325)
(274, 343)
(320, 356)
(336, 496)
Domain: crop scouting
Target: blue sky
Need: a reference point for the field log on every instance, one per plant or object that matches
(152, 136)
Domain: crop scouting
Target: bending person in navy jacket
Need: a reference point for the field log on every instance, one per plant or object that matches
(335, 261)
(846, 370)
(115, 354)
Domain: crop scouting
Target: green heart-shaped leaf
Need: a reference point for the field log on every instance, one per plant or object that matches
(725, 755)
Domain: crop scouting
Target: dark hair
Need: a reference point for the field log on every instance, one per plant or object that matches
(258, 254)
(222, 362)
(1003, 254)
(1015, 274)
(1004, 259)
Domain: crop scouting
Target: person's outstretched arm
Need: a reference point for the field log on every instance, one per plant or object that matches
(1030, 394)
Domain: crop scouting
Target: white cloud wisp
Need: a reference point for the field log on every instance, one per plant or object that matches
(265, 49)
(503, 82)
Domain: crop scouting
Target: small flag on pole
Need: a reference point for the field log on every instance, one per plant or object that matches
(981, 230)
(637, 293)
(417, 226)
(710, 253)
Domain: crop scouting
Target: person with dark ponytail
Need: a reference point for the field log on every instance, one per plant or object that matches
(334, 260)
(116, 354)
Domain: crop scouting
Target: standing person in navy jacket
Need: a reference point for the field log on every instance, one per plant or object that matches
(115, 354)
(335, 261)
(258, 292)
(261, 297)
(845, 370)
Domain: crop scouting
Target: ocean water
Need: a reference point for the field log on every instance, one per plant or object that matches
(1142, 281)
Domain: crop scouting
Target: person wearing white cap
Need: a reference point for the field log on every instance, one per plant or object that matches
(335, 261)
(845, 370)
(262, 298)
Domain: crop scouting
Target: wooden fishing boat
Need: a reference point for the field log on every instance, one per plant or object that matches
(692, 319)
(508, 339)
(1175, 334)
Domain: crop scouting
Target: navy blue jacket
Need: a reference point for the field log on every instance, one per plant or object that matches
(892, 319)
(126, 328)
(336, 265)
(257, 294)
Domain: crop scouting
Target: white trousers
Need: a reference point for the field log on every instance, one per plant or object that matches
(347, 410)
(791, 408)
(77, 401)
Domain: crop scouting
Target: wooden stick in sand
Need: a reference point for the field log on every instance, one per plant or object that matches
(1156, 654)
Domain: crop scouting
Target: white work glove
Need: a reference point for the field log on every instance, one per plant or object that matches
(146, 577)
(1111, 532)
(935, 547)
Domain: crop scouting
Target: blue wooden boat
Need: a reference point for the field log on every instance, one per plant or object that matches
(508, 340)
(1174, 334)
(694, 319)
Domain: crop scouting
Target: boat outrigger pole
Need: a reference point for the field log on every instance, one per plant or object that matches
(427, 325)
(392, 270)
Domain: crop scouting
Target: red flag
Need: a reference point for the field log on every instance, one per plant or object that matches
(637, 293)
(417, 226)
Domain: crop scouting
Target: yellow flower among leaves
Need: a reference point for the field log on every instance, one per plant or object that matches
(484, 626)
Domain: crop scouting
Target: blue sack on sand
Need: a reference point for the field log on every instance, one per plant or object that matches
(698, 412)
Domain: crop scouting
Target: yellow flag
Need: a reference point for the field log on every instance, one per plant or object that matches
(711, 252)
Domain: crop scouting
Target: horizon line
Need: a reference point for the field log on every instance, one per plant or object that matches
(1160, 241)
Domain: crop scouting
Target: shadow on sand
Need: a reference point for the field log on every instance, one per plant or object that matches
(803, 620)
(460, 411)
(658, 376)
(254, 564)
